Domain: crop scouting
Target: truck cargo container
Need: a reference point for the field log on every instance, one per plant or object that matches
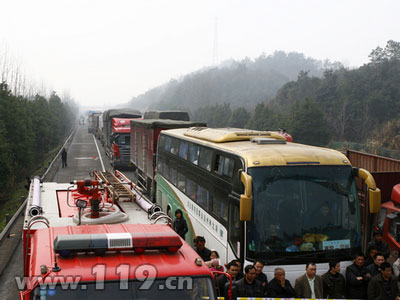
(144, 139)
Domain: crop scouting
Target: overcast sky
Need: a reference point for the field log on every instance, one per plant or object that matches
(106, 52)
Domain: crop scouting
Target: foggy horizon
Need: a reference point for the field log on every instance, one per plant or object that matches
(104, 55)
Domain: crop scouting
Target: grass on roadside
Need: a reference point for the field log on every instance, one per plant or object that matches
(11, 205)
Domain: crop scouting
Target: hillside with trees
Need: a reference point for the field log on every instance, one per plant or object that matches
(29, 129)
(340, 107)
(239, 83)
(356, 105)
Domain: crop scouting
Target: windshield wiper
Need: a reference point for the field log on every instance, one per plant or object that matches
(343, 252)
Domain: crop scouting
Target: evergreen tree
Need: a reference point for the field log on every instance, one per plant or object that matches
(240, 116)
(307, 124)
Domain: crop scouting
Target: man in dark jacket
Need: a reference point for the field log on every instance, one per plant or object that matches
(309, 285)
(371, 251)
(334, 282)
(384, 285)
(201, 249)
(240, 274)
(232, 269)
(279, 287)
(249, 286)
(260, 276)
(379, 244)
(357, 282)
(180, 225)
(374, 269)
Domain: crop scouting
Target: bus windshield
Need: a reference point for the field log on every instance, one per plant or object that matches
(309, 212)
(171, 288)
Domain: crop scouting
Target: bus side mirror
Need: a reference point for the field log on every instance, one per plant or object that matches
(374, 200)
(374, 193)
(246, 200)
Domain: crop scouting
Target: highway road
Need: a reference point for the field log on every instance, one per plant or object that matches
(85, 155)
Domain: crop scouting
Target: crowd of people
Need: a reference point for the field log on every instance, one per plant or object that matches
(370, 278)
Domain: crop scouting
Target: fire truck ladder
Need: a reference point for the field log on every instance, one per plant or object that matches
(118, 189)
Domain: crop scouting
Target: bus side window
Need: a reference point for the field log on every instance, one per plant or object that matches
(191, 189)
(175, 146)
(161, 141)
(160, 167)
(234, 226)
(172, 176)
(168, 143)
(228, 167)
(165, 170)
(219, 164)
(181, 182)
(193, 153)
(203, 197)
(183, 150)
(220, 205)
(205, 158)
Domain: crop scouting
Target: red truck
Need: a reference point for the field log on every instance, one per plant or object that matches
(144, 140)
(386, 172)
(120, 143)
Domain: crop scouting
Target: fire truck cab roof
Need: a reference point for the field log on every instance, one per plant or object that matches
(149, 245)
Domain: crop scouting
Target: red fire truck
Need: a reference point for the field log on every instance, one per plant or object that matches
(98, 239)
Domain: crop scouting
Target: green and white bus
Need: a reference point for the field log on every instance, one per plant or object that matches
(254, 196)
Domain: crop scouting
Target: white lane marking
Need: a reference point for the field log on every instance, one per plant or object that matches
(98, 151)
(94, 157)
(81, 143)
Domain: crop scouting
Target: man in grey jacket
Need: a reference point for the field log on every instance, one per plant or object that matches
(309, 285)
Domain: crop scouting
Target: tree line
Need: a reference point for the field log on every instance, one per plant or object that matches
(355, 105)
(29, 129)
(239, 83)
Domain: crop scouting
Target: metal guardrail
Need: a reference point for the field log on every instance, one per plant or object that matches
(6, 229)
(9, 225)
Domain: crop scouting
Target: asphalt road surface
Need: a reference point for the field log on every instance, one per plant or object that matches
(85, 155)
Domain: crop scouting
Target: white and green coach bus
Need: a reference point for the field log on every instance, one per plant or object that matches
(254, 196)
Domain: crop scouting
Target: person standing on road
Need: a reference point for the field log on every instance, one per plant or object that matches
(64, 158)
(180, 225)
